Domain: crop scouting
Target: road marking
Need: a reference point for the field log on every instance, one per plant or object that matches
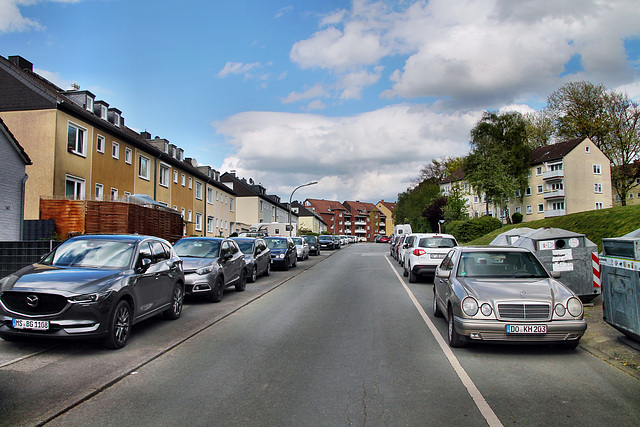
(475, 394)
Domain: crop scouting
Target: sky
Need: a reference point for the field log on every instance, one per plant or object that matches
(356, 95)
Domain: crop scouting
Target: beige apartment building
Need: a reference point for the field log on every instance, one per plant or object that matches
(568, 177)
(81, 149)
(387, 209)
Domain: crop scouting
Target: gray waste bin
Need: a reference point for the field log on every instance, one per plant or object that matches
(620, 272)
(572, 254)
(508, 238)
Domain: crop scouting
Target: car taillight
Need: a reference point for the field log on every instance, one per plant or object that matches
(419, 252)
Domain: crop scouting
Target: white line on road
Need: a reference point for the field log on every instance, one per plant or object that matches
(475, 394)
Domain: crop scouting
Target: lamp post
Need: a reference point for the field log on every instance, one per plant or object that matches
(440, 222)
(291, 197)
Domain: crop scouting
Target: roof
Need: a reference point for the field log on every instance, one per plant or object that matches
(389, 205)
(13, 141)
(326, 206)
(361, 208)
(554, 151)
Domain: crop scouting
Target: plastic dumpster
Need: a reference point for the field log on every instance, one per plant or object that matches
(572, 254)
(620, 269)
(508, 238)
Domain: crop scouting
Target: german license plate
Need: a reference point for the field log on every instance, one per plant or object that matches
(437, 256)
(36, 325)
(526, 329)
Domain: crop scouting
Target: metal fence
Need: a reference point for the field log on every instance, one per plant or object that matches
(17, 254)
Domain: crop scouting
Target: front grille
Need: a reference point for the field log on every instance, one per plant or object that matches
(550, 337)
(47, 304)
(524, 311)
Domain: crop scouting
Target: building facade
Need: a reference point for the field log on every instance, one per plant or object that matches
(83, 150)
(387, 209)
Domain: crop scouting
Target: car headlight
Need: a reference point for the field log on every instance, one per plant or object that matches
(89, 298)
(470, 306)
(574, 306)
(281, 256)
(486, 309)
(205, 270)
(560, 310)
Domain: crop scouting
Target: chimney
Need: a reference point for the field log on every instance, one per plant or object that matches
(145, 134)
(22, 63)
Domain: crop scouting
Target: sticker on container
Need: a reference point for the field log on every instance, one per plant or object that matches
(562, 255)
(547, 245)
(574, 242)
(562, 266)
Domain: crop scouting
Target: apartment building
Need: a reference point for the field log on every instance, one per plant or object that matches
(308, 219)
(568, 177)
(387, 209)
(81, 149)
(367, 220)
(254, 205)
(333, 213)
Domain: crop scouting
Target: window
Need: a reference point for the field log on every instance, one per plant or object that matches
(597, 188)
(115, 150)
(476, 199)
(557, 186)
(128, 155)
(587, 149)
(210, 224)
(540, 208)
(163, 179)
(143, 167)
(76, 139)
(527, 192)
(597, 170)
(261, 206)
(183, 180)
(190, 183)
(529, 210)
(74, 188)
(518, 209)
(99, 194)
(103, 112)
(231, 203)
(89, 104)
(114, 193)
(175, 177)
(190, 217)
(598, 205)
(198, 190)
(556, 206)
(631, 195)
(100, 144)
(182, 213)
(210, 195)
(539, 189)
(555, 167)
(198, 221)
(539, 170)
(217, 196)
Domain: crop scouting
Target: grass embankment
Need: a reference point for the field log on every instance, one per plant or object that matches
(595, 225)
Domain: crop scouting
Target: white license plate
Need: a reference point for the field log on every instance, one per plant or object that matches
(526, 329)
(36, 325)
(437, 256)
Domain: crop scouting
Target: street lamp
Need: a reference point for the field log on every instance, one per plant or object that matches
(291, 197)
(440, 222)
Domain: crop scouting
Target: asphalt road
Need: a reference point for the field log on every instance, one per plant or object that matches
(345, 342)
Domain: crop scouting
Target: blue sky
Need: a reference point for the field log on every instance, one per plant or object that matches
(357, 95)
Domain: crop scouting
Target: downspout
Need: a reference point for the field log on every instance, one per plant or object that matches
(22, 194)
(155, 178)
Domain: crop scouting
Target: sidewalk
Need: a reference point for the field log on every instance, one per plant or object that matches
(607, 343)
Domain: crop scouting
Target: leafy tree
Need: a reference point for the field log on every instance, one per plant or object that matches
(541, 129)
(498, 164)
(435, 212)
(456, 208)
(438, 169)
(412, 203)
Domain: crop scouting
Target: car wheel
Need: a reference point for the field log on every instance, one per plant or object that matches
(267, 271)
(119, 326)
(413, 278)
(176, 303)
(295, 262)
(254, 274)
(455, 340)
(218, 290)
(405, 273)
(435, 308)
(242, 283)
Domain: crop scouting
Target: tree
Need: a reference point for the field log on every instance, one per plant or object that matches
(456, 208)
(438, 169)
(498, 164)
(435, 212)
(412, 203)
(541, 130)
(610, 119)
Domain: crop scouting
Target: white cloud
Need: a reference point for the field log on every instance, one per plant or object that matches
(12, 19)
(367, 157)
(236, 68)
(317, 91)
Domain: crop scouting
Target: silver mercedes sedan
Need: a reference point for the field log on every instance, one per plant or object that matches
(504, 294)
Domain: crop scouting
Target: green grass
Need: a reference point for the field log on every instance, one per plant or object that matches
(595, 225)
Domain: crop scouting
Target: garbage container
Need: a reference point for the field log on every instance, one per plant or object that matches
(572, 254)
(620, 267)
(508, 238)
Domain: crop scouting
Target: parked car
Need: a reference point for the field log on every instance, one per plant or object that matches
(211, 264)
(283, 252)
(314, 244)
(504, 294)
(326, 241)
(302, 247)
(337, 242)
(405, 241)
(93, 287)
(424, 252)
(257, 256)
(383, 239)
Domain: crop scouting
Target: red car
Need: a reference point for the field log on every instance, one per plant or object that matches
(384, 239)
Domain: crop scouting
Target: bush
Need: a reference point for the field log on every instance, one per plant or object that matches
(465, 231)
(516, 218)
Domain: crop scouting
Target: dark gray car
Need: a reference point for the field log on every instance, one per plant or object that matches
(257, 256)
(93, 287)
(211, 264)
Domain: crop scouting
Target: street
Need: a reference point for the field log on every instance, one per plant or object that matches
(348, 341)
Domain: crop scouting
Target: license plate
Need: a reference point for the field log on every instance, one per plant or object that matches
(526, 329)
(437, 256)
(36, 325)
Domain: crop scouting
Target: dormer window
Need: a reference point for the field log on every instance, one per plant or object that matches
(103, 112)
(89, 103)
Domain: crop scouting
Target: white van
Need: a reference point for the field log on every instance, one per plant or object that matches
(402, 229)
(274, 229)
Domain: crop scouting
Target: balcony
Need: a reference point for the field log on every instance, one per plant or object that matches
(361, 223)
(347, 223)
(555, 212)
(554, 194)
(556, 174)
(361, 231)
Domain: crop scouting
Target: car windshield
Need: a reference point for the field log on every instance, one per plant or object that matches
(276, 243)
(325, 238)
(500, 264)
(196, 248)
(436, 242)
(246, 246)
(93, 253)
(310, 239)
(297, 240)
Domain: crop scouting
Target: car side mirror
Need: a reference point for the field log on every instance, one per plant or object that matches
(227, 257)
(556, 274)
(144, 265)
(443, 274)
